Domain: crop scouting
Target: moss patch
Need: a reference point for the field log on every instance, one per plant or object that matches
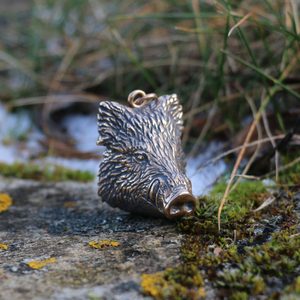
(256, 254)
(245, 197)
(182, 282)
(293, 291)
(44, 173)
(291, 175)
(255, 269)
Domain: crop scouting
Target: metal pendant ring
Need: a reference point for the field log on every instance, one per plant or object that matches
(139, 98)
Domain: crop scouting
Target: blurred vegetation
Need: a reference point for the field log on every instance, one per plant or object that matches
(229, 61)
(214, 54)
(47, 172)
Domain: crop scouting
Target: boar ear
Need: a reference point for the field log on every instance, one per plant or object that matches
(173, 107)
(112, 118)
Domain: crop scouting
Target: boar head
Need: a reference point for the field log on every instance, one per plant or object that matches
(143, 169)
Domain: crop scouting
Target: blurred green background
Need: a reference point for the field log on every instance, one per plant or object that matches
(223, 58)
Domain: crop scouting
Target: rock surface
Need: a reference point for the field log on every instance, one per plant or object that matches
(58, 220)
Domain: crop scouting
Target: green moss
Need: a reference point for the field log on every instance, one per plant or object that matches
(294, 288)
(290, 176)
(252, 250)
(182, 282)
(240, 204)
(239, 273)
(243, 192)
(239, 296)
(252, 268)
(246, 196)
(44, 173)
(280, 256)
(297, 285)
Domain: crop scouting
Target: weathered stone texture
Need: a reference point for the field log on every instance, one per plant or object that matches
(58, 220)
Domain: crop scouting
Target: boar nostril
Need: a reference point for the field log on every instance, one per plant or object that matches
(180, 205)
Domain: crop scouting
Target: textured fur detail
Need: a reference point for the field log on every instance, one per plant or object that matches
(144, 160)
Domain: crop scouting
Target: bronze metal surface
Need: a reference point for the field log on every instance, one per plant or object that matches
(143, 170)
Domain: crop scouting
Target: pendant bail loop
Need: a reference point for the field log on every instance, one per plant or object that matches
(139, 98)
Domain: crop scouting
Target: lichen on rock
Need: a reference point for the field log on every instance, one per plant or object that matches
(39, 264)
(102, 244)
(5, 202)
(3, 246)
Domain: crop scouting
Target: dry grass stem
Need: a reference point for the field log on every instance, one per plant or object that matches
(233, 150)
(239, 23)
(265, 204)
(268, 131)
(258, 146)
(284, 168)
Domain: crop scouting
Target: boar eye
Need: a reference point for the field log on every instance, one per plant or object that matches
(141, 157)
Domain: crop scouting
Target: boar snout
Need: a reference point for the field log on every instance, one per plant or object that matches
(179, 203)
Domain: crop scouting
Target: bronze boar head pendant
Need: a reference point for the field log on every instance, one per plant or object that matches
(143, 170)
